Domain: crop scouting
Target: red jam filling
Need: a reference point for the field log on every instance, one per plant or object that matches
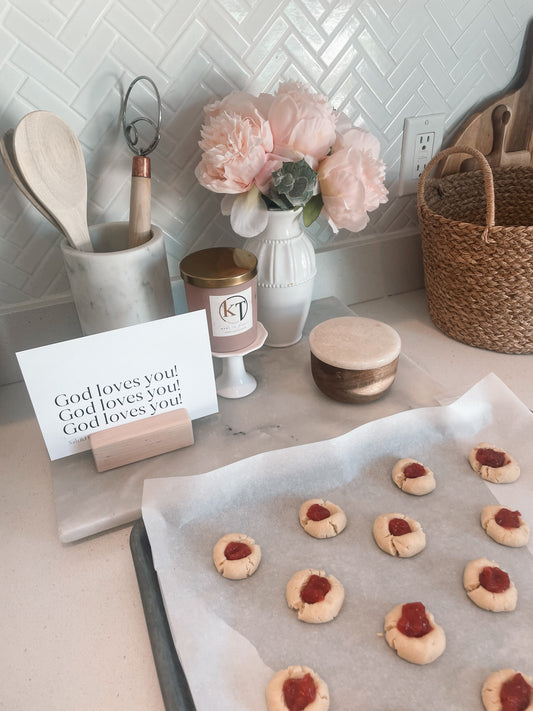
(490, 458)
(507, 518)
(494, 580)
(515, 694)
(235, 550)
(399, 527)
(317, 512)
(414, 621)
(315, 589)
(299, 693)
(414, 470)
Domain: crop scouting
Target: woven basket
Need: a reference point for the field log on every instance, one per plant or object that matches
(477, 243)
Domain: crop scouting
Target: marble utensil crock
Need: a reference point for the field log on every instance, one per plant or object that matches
(114, 286)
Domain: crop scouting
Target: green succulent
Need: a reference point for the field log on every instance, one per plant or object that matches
(293, 185)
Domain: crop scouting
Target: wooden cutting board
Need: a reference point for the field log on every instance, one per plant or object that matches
(507, 139)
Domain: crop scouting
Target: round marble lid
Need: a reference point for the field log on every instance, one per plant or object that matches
(354, 343)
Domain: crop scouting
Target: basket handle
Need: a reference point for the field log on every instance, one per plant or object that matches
(487, 180)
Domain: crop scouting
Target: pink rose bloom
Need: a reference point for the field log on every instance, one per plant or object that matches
(351, 180)
(235, 142)
(301, 122)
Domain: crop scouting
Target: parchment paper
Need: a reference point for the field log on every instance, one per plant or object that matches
(231, 636)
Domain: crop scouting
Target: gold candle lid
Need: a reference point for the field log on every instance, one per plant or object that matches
(218, 267)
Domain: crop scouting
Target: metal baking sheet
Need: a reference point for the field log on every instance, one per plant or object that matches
(243, 633)
(174, 687)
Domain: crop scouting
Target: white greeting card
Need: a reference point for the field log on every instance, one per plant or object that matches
(88, 384)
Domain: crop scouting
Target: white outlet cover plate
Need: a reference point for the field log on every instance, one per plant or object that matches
(412, 127)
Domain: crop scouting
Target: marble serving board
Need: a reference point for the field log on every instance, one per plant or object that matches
(285, 410)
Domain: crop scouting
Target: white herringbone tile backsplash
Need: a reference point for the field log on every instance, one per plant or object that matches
(377, 60)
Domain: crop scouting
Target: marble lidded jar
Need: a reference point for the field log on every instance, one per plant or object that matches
(223, 281)
(354, 359)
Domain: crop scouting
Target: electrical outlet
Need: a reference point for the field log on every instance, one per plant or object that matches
(422, 139)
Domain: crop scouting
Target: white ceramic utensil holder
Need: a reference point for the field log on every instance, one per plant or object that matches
(114, 286)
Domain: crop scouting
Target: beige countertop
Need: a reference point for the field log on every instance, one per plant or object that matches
(455, 365)
(71, 616)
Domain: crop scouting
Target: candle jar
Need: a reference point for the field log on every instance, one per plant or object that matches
(223, 281)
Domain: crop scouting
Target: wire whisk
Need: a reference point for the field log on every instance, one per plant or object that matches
(130, 128)
(140, 225)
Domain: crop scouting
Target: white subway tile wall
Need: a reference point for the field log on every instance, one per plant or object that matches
(378, 61)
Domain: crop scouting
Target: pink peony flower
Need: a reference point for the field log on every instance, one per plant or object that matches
(302, 123)
(351, 180)
(244, 105)
(235, 142)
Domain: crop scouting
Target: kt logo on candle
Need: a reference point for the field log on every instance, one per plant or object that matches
(233, 309)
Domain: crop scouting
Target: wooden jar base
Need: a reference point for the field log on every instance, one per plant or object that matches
(353, 386)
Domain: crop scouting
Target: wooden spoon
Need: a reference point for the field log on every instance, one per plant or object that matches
(6, 150)
(50, 160)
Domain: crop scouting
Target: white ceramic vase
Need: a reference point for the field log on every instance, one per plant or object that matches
(286, 271)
